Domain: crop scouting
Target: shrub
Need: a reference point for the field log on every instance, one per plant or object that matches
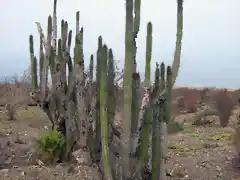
(201, 117)
(174, 127)
(51, 146)
(224, 105)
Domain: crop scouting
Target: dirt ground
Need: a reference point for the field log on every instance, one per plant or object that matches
(197, 153)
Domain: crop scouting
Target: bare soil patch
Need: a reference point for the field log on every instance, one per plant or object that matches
(197, 153)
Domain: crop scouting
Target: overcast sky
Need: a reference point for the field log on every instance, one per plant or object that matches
(211, 35)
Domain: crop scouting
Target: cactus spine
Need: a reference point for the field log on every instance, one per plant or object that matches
(81, 107)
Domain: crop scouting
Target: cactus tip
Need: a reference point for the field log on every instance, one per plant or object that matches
(149, 26)
(169, 70)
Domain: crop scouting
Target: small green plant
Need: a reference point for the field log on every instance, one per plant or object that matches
(51, 146)
(195, 135)
(175, 127)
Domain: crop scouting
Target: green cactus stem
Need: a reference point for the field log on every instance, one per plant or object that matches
(33, 64)
(155, 131)
(144, 137)
(111, 99)
(127, 89)
(104, 115)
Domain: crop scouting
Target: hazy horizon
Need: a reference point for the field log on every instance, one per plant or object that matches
(211, 46)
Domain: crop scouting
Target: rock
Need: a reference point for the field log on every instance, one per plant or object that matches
(82, 157)
(23, 173)
(4, 170)
(218, 169)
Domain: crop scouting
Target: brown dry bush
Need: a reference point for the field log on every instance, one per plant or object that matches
(186, 99)
(14, 93)
(224, 105)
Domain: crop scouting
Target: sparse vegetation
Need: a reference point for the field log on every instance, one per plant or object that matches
(101, 128)
(51, 146)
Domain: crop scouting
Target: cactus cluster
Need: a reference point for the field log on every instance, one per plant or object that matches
(81, 107)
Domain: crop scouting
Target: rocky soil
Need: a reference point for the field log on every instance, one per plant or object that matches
(197, 153)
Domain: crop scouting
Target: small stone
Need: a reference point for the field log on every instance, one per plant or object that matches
(218, 168)
(71, 169)
(23, 173)
(82, 157)
(4, 170)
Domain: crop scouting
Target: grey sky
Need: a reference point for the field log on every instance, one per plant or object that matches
(211, 40)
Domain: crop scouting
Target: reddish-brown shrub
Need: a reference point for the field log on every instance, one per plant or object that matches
(224, 105)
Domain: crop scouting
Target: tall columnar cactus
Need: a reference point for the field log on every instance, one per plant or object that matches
(127, 89)
(81, 107)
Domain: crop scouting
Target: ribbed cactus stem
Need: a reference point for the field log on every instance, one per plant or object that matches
(44, 75)
(169, 87)
(54, 39)
(178, 47)
(135, 115)
(148, 55)
(77, 57)
(69, 39)
(77, 21)
(111, 99)
(41, 58)
(159, 98)
(69, 62)
(137, 7)
(64, 36)
(155, 131)
(62, 27)
(104, 115)
(162, 129)
(148, 113)
(60, 57)
(33, 64)
(81, 47)
(127, 89)
(135, 104)
(97, 143)
(52, 62)
(91, 65)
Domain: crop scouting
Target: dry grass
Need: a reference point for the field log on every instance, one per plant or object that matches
(196, 153)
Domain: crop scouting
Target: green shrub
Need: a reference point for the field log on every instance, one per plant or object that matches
(174, 127)
(51, 146)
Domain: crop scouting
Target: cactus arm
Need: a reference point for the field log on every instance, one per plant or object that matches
(81, 48)
(97, 105)
(33, 64)
(44, 74)
(111, 99)
(144, 139)
(41, 59)
(155, 132)
(169, 95)
(177, 55)
(161, 125)
(161, 96)
(91, 65)
(54, 37)
(40, 31)
(69, 62)
(135, 113)
(127, 88)
(104, 116)
(77, 21)
(137, 7)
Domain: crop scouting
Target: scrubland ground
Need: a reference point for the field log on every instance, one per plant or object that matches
(197, 153)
